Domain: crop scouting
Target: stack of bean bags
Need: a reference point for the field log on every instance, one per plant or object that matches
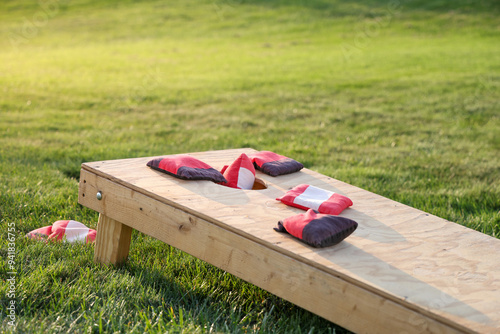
(319, 226)
(239, 174)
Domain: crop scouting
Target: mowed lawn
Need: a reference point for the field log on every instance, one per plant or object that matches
(399, 97)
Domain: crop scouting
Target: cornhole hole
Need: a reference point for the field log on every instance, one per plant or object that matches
(402, 270)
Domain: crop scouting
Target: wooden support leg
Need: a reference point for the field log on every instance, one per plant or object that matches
(112, 241)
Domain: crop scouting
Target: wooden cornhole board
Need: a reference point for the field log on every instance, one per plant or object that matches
(402, 270)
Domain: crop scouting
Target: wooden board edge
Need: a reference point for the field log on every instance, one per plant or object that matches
(90, 166)
(136, 210)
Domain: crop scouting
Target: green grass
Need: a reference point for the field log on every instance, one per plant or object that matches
(398, 97)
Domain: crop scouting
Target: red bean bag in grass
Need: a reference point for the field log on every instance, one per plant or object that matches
(305, 197)
(317, 230)
(66, 230)
(274, 164)
(186, 167)
(240, 174)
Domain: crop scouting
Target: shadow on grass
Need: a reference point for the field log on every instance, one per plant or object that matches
(222, 301)
(360, 7)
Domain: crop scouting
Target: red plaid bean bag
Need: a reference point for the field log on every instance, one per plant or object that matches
(274, 164)
(305, 197)
(317, 230)
(186, 167)
(240, 174)
(66, 230)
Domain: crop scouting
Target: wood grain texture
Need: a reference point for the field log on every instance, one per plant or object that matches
(112, 241)
(313, 289)
(439, 275)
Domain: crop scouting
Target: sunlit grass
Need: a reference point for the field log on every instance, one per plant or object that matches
(398, 99)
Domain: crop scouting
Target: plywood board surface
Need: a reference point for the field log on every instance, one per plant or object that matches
(410, 257)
